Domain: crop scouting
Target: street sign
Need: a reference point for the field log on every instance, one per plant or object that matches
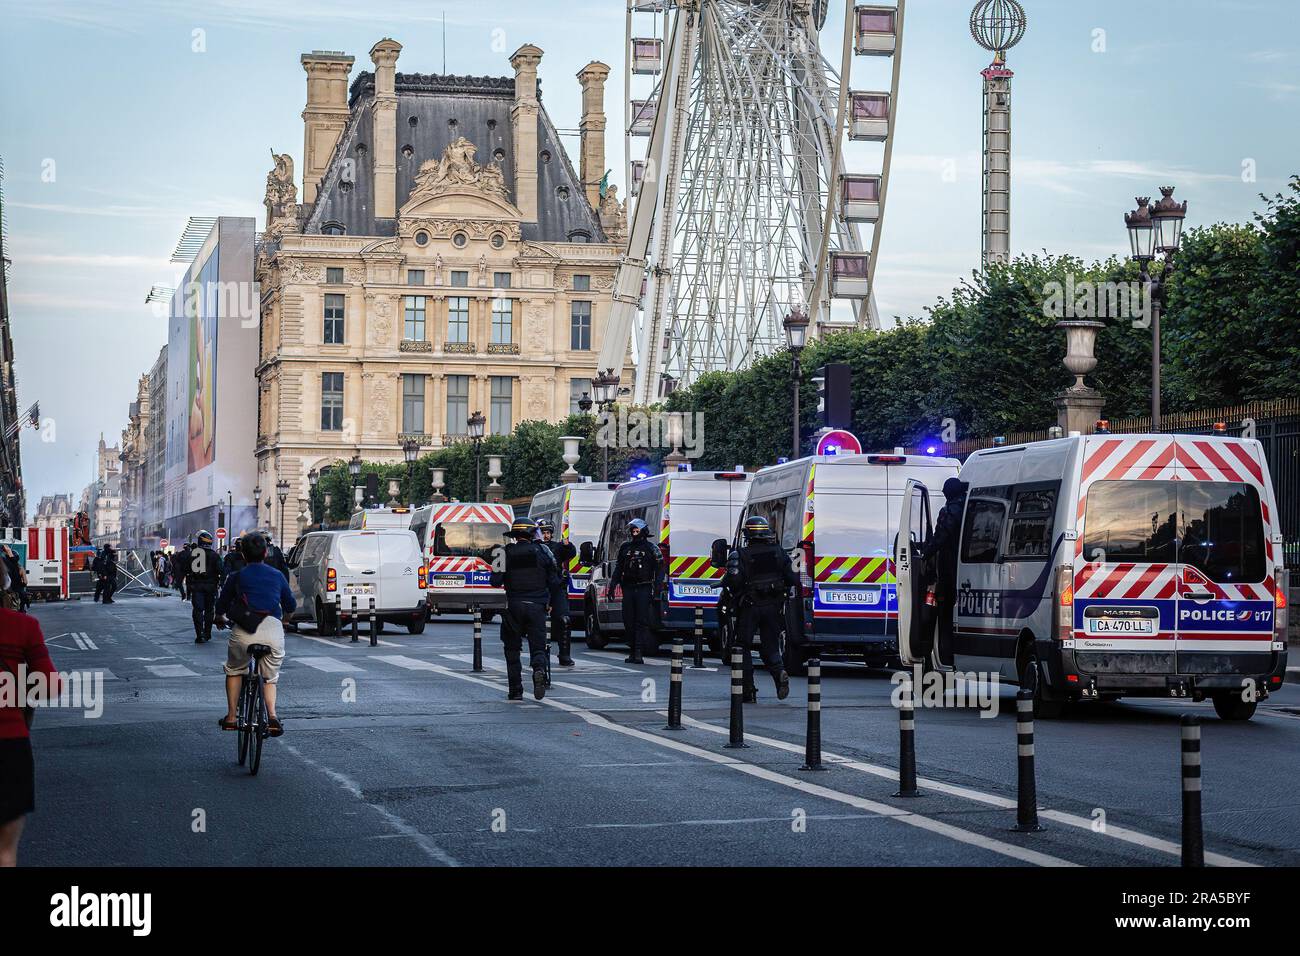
(221, 534)
(837, 441)
(162, 544)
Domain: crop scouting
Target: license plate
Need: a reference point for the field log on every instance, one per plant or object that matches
(1132, 625)
(697, 590)
(358, 589)
(869, 598)
(448, 581)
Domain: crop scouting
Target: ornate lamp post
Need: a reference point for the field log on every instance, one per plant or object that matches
(313, 479)
(796, 337)
(410, 451)
(475, 429)
(282, 492)
(604, 388)
(1154, 231)
(257, 505)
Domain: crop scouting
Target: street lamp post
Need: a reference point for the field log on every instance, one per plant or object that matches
(604, 388)
(257, 505)
(282, 492)
(475, 426)
(410, 451)
(313, 479)
(354, 475)
(796, 337)
(1152, 231)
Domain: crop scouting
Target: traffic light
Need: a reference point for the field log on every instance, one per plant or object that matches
(834, 402)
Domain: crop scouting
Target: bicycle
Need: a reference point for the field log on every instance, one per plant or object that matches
(252, 719)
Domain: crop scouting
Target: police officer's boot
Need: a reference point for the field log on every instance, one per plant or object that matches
(634, 655)
(516, 693)
(565, 645)
(539, 683)
(750, 696)
(782, 681)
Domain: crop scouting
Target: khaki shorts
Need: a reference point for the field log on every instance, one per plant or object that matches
(271, 633)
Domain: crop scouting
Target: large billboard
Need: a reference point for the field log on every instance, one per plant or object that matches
(212, 350)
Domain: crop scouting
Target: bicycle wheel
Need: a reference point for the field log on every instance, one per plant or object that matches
(259, 728)
(242, 718)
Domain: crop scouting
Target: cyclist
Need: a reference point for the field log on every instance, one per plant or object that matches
(254, 598)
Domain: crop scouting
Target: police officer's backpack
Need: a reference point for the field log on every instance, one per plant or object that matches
(763, 572)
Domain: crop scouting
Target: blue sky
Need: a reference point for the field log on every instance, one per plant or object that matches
(143, 131)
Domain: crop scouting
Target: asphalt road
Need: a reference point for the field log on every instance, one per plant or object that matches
(400, 755)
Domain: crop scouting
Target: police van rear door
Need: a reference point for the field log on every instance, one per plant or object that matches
(915, 523)
(1225, 581)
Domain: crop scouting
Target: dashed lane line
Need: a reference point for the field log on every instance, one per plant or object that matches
(170, 670)
(907, 817)
(501, 667)
(327, 664)
(1059, 816)
(328, 642)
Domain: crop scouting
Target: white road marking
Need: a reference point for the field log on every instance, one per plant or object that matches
(328, 664)
(430, 849)
(344, 642)
(410, 663)
(88, 642)
(965, 793)
(501, 667)
(170, 670)
(902, 816)
(76, 639)
(652, 661)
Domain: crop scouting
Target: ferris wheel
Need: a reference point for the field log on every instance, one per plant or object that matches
(744, 209)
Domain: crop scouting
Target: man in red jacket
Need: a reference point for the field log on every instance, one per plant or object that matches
(22, 652)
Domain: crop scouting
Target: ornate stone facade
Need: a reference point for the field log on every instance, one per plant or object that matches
(473, 296)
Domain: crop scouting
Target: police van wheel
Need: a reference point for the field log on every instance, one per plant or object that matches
(1230, 706)
(596, 638)
(324, 621)
(416, 626)
(1045, 708)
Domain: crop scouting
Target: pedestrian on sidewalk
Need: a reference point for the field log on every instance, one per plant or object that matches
(22, 647)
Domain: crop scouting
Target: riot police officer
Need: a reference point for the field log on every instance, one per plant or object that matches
(639, 570)
(563, 552)
(203, 580)
(529, 579)
(758, 581)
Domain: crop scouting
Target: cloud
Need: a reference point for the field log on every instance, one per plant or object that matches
(116, 211)
(1267, 56)
(89, 306)
(1278, 90)
(91, 261)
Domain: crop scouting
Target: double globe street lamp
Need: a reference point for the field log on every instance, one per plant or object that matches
(604, 390)
(1156, 231)
(410, 451)
(796, 337)
(475, 426)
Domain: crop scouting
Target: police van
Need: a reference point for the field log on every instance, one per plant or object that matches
(685, 512)
(576, 512)
(374, 518)
(837, 517)
(1102, 566)
(459, 540)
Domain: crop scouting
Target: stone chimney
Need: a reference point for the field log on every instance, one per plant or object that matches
(384, 152)
(523, 119)
(592, 77)
(326, 114)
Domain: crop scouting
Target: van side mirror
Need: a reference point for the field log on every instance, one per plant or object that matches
(719, 555)
(587, 554)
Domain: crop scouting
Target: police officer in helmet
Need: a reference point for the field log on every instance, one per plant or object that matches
(530, 578)
(563, 552)
(757, 583)
(203, 579)
(639, 570)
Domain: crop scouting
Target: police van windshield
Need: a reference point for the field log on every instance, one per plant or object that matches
(584, 525)
(1216, 527)
(469, 539)
(854, 525)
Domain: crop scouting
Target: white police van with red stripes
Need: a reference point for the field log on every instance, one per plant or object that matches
(459, 540)
(1103, 566)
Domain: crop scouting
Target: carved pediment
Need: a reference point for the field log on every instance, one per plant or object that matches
(457, 185)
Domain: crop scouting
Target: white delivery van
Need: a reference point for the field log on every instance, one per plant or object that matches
(685, 512)
(458, 541)
(837, 516)
(576, 512)
(381, 518)
(1101, 566)
(332, 568)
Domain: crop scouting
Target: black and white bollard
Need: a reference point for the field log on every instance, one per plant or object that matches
(699, 638)
(355, 638)
(812, 751)
(1026, 789)
(675, 687)
(906, 741)
(478, 639)
(1193, 837)
(374, 625)
(737, 737)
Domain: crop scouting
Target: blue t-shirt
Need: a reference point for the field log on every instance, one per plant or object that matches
(264, 587)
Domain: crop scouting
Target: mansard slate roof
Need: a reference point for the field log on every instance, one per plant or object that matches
(480, 107)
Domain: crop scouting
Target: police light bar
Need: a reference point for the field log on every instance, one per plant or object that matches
(886, 459)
